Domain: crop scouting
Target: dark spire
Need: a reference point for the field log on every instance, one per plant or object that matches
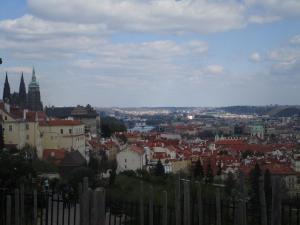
(22, 93)
(6, 90)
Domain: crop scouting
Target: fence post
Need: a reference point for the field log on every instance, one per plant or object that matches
(240, 202)
(84, 203)
(276, 201)
(17, 207)
(218, 206)
(141, 203)
(165, 208)
(22, 204)
(98, 207)
(34, 207)
(102, 213)
(262, 200)
(187, 203)
(151, 205)
(177, 200)
(8, 210)
(199, 204)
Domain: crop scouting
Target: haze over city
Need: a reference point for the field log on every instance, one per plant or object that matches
(154, 53)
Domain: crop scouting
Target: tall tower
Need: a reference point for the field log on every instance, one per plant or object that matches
(34, 96)
(22, 93)
(6, 90)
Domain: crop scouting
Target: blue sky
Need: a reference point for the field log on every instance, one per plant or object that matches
(154, 52)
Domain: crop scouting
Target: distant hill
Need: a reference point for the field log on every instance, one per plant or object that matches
(248, 110)
(288, 112)
(276, 111)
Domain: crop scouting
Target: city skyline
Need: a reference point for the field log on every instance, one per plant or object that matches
(154, 53)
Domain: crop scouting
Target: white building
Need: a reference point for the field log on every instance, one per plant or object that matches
(132, 158)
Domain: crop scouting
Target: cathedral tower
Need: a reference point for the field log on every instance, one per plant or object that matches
(22, 93)
(6, 90)
(34, 96)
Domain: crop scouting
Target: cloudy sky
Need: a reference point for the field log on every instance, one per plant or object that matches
(154, 52)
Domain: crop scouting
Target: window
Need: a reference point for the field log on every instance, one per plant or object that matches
(5, 117)
(27, 126)
(125, 160)
(10, 128)
(27, 137)
(70, 131)
(61, 131)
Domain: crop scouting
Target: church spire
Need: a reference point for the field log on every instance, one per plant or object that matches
(6, 90)
(22, 93)
(33, 79)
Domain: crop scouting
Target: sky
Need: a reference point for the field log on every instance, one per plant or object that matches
(131, 53)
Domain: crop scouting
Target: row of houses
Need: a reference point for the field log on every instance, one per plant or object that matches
(230, 155)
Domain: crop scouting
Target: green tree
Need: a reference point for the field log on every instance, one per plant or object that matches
(198, 170)
(1, 137)
(112, 177)
(159, 169)
(230, 184)
(14, 170)
(209, 174)
(77, 175)
(255, 173)
(94, 163)
(268, 187)
(219, 169)
(110, 125)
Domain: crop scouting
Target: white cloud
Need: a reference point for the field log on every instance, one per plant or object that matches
(261, 19)
(286, 59)
(277, 8)
(295, 40)
(255, 57)
(214, 69)
(164, 16)
(16, 70)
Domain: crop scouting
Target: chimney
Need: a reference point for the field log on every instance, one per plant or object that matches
(24, 113)
(7, 107)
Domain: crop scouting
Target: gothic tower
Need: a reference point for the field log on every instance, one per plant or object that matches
(6, 90)
(22, 93)
(34, 96)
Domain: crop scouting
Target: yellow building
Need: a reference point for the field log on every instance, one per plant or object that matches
(66, 134)
(23, 127)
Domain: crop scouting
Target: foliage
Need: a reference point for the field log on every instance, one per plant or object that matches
(42, 166)
(77, 175)
(112, 177)
(159, 169)
(268, 187)
(230, 184)
(254, 183)
(209, 174)
(198, 170)
(129, 173)
(14, 169)
(94, 163)
(110, 125)
(219, 170)
(1, 138)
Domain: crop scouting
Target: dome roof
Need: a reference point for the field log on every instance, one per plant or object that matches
(33, 83)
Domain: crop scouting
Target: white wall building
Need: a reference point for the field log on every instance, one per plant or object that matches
(132, 158)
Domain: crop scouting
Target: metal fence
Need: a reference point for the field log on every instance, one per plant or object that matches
(18, 207)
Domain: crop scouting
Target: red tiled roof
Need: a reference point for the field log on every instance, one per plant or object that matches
(137, 149)
(31, 116)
